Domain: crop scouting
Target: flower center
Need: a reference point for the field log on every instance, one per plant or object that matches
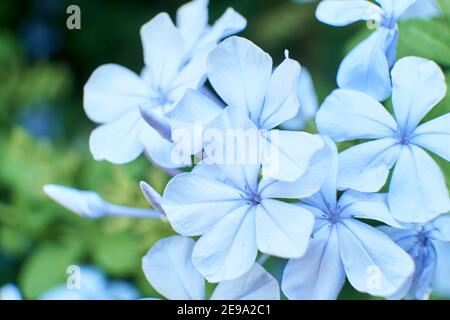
(404, 138)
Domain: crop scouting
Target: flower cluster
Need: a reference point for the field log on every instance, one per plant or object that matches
(252, 186)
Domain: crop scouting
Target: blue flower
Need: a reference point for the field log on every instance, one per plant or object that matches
(421, 242)
(175, 60)
(236, 214)
(258, 100)
(417, 191)
(366, 67)
(93, 286)
(342, 246)
(169, 269)
(90, 205)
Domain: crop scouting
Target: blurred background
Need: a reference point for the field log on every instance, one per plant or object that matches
(44, 131)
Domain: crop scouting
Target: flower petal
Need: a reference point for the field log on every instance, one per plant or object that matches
(441, 283)
(112, 91)
(152, 196)
(396, 8)
(283, 229)
(289, 154)
(366, 67)
(417, 192)
(10, 292)
(192, 21)
(240, 73)
(434, 135)
(309, 103)
(319, 274)
(441, 227)
(349, 115)
(422, 9)
(228, 250)
(229, 23)
(194, 203)
(281, 101)
(308, 184)
(373, 263)
(169, 269)
(118, 141)
(365, 167)
(373, 206)
(163, 49)
(256, 284)
(418, 85)
(342, 13)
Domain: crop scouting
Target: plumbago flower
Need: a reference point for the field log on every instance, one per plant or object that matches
(175, 58)
(366, 67)
(236, 214)
(421, 241)
(343, 246)
(257, 101)
(417, 190)
(90, 205)
(10, 292)
(169, 269)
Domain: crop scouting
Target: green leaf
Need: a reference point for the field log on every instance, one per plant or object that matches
(47, 267)
(425, 38)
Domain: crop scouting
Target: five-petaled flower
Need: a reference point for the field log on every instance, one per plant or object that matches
(417, 190)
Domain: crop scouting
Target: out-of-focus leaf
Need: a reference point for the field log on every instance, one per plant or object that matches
(47, 267)
(425, 38)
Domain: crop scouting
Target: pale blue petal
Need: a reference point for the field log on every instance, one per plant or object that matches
(365, 167)
(441, 283)
(442, 227)
(164, 49)
(396, 8)
(256, 284)
(342, 13)
(326, 198)
(425, 271)
(152, 196)
(118, 141)
(366, 67)
(373, 206)
(283, 229)
(229, 23)
(156, 120)
(10, 292)
(422, 9)
(417, 192)
(194, 203)
(191, 76)
(192, 21)
(169, 269)
(163, 152)
(227, 250)
(189, 117)
(240, 73)
(309, 103)
(113, 91)
(434, 136)
(281, 101)
(418, 85)
(305, 186)
(349, 115)
(242, 177)
(372, 262)
(319, 274)
(290, 153)
(90, 205)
